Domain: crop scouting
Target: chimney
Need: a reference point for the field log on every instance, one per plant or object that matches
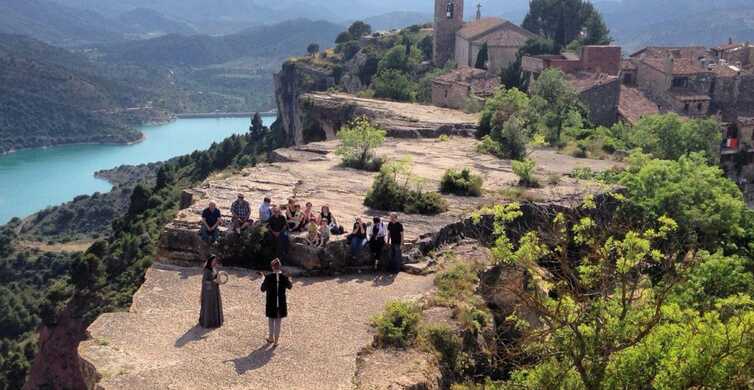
(730, 40)
(478, 11)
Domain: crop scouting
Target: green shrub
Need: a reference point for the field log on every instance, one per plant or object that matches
(358, 140)
(398, 325)
(388, 194)
(461, 183)
(525, 172)
(394, 84)
(425, 203)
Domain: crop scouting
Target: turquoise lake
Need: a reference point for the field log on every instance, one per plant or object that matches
(37, 178)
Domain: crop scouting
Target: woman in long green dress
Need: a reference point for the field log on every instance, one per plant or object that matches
(211, 314)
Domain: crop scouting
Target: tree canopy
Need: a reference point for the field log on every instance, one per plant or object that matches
(565, 21)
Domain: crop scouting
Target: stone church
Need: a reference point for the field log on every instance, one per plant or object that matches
(459, 41)
(462, 41)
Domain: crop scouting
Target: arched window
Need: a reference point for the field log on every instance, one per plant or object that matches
(451, 9)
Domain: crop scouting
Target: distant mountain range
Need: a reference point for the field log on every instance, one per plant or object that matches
(277, 41)
(68, 26)
(638, 23)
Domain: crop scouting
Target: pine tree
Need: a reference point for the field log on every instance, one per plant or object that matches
(483, 57)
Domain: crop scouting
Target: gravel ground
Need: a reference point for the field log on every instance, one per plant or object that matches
(158, 346)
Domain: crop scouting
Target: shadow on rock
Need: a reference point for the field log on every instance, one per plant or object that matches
(257, 359)
(197, 333)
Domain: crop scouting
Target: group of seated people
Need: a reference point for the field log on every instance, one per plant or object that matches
(281, 221)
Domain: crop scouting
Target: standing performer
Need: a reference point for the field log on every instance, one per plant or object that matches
(211, 313)
(275, 285)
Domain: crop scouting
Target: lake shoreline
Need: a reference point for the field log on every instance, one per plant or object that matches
(43, 177)
(206, 115)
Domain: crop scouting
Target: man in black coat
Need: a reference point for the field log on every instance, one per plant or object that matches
(275, 285)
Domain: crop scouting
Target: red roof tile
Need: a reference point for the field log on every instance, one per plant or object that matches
(477, 28)
(633, 105)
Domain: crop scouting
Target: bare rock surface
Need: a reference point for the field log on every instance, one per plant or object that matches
(313, 173)
(397, 370)
(157, 345)
(329, 111)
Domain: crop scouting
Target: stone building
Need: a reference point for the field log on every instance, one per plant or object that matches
(455, 89)
(503, 39)
(593, 71)
(462, 41)
(675, 78)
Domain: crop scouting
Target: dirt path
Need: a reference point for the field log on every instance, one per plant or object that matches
(157, 346)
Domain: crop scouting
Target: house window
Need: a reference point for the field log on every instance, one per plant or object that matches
(699, 107)
(680, 82)
(686, 107)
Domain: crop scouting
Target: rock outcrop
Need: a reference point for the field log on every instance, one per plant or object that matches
(313, 173)
(158, 345)
(306, 113)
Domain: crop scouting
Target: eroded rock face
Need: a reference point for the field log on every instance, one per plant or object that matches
(312, 173)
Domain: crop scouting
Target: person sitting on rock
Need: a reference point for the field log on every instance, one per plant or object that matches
(278, 227)
(313, 237)
(331, 222)
(324, 234)
(211, 220)
(295, 218)
(358, 237)
(377, 240)
(241, 214)
(265, 210)
(309, 217)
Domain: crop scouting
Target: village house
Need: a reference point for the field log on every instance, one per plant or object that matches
(592, 71)
(463, 87)
(675, 78)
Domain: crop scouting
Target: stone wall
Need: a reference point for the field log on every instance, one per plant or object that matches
(601, 59)
(501, 57)
(653, 82)
(603, 101)
(450, 95)
(462, 50)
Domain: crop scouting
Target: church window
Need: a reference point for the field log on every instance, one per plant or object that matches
(450, 9)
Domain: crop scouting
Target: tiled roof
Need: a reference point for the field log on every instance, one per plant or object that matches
(584, 81)
(681, 66)
(462, 74)
(477, 28)
(633, 105)
(508, 35)
(480, 82)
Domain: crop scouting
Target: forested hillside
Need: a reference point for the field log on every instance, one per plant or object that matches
(50, 96)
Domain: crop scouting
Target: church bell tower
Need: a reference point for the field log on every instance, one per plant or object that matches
(448, 20)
